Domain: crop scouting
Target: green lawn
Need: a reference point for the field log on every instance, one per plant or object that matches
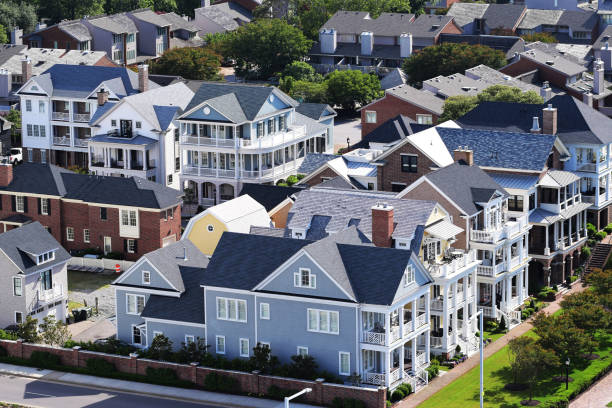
(494, 336)
(463, 392)
(609, 404)
(88, 281)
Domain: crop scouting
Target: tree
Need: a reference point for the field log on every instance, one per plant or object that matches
(190, 63)
(535, 360)
(351, 88)
(456, 106)
(57, 10)
(54, 332)
(449, 58)
(161, 348)
(28, 330)
(601, 282)
(192, 351)
(516, 356)
(303, 367)
(3, 35)
(305, 91)
(265, 47)
(118, 6)
(590, 318)
(262, 359)
(301, 71)
(541, 37)
(20, 14)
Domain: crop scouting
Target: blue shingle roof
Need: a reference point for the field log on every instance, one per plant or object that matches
(525, 151)
(101, 111)
(165, 114)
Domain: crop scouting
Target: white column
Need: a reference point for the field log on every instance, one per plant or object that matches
(200, 192)
(401, 361)
(400, 315)
(454, 313)
(546, 240)
(427, 346)
(144, 159)
(415, 312)
(526, 281)
(493, 300)
(128, 158)
(387, 329)
(508, 291)
(125, 162)
(387, 355)
(414, 353)
(428, 307)
(445, 316)
(519, 285)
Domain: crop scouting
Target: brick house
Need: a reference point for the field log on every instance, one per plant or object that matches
(131, 216)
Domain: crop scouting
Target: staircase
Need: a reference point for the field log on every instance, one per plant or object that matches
(599, 257)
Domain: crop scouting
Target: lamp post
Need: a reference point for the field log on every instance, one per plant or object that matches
(567, 363)
(481, 337)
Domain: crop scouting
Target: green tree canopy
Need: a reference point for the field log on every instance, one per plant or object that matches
(266, 47)
(3, 35)
(449, 58)
(301, 71)
(351, 88)
(18, 13)
(190, 63)
(542, 37)
(305, 91)
(118, 6)
(57, 10)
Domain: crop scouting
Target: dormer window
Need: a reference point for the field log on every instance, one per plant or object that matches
(304, 279)
(409, 275)
(46, 257)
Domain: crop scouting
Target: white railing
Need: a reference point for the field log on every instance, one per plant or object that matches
(489, 311)
(407, 328)
(456, 265)
(435, 341)
(508, 230)
(207, 141)
(81, 117)
(292, 134)
(422, 374)
(81, 142)
(51, 294)
(62, 141)
(79, 263)
(421, 359)
(486, 270)
(249, 174)
(395, 333)
(410, 379)
(421, 320)
(374, 378)
(373, 337)
(207, 202)
(60, 115)
(227, 173)
(437, 304)
(394, 375)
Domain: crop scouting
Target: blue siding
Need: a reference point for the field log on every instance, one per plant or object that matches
(269, 107)
(175, 332)
(212, 116)
(134, 277)
(325, 287)
(124, 320)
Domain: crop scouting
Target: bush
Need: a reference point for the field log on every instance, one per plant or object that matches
(303, 367)
(585, 252)
(347, 403)
(491, 325)
(608, 228)
(433, 370)
(44, 359)
(397, 395)
(291, 180)
(8, 335)
(591, 230)
(277, 393)
(407, 388)
(222, 383)
(162, 375)
(599, 235)
(502, 325)
(100, 366)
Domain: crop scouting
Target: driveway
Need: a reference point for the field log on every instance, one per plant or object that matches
(346, 128)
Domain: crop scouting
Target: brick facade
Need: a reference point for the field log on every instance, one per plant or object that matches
(391, 171)
(322, 175)
(389, 107)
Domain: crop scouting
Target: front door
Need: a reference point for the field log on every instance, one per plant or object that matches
(107, 245)
(126, 128)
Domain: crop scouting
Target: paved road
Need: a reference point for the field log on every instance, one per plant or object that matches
(37, 393)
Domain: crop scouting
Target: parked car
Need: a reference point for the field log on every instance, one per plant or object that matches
(15, 155)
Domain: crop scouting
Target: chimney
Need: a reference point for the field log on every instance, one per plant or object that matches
(328, 40)
(102, 96)
(598, 76)
(549, 120)
(405, 41)
(545, 91)
(535, 127)
(40, 26)
(26, 69)
(587, 98)
(6, 174)
(382, 225)
(143, 77)
(205, 3)
(367, 42)
(6, 83)
(16, 36)
(463, 155)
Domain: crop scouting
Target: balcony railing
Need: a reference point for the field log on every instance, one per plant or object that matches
(60, 116)
(421, 359)
(81, 117)
(374, 378)
(508, 230)
(292, 134)
(435, 341)
(458, 262)
(421, 320)
(81, 142)
(51, 294)
(374, 337)
(486, 270)
(61, 141)
(195, 140)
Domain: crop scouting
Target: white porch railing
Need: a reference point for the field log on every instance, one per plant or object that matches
(454, 266)
(373, 337)
(374, 378)
(81, 142)
(395, 333)
(421, 320)
(421, 359)
(407, 328)
(486, 270)
(60, 116)
(435, 341)
(61, 141)
(207, 141)
(508, 230)
(292, 134)
(394, 375)
(51, 294)
(489, 311)
(81, 117)
(437, 304)
(422, 374)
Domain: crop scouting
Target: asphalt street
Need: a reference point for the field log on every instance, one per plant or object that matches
(37, 393)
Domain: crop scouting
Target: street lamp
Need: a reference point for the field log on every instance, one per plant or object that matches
(304, 391)
(348, 143)
(481, 313)
(567, 363)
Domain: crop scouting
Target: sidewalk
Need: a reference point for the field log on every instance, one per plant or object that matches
(474, 361)
(108, 384)
(597, 396)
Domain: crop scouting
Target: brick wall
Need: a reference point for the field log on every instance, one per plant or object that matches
(250, 383)
(52, 220)
(388, 108)
(391, 171)
(524, 65)
(50, 36)
(318, 178)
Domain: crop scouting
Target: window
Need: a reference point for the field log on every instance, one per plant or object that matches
(131, 246)
(138, 125)
(169, 179)
(146, 277)
(20, 204)
(161, 30)
(177, 164)
(17, 286)
(86, 235)
(515, 203)
(117, 55)
(282, 122)
(41, 107)
(30, 155)
(43, 131)
(130, 37)
(244, 347)
(36, 129)
(431, 249)
(114, 122)
(409, 163)
(323, 321)
(270, 126)
(135, 304)
(302, 351)
(260, 129)
(44, 206)
(47, 256)
(43, 156)
(70, 233)
(408, 275)
(424, 119)
(137, 337)
(370, 116)
(30, 132)
(117, 38)
(264, 311)
(231, 309)
(304, 279)
(18, 317)
(220, 344)
(345, 363)
(189, 338)
(103, 214)
(128, 218)
(131, 54)
(46, 280)
(28, 105)
(210, 228)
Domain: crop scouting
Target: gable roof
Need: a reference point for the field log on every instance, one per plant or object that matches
(313, 161)
(603, 38)
(269, 195)
(118, 23)
(316, 111)
(418, 97)
(576, 121)
(32, 238)
(577, 53)
(495, 149)
(505, 16)
(178, 23)
(576, 20)
(356, 22)
(395, 77)
(149, 16)
(76, 29)
(465, 185)
(391, 131)
(229, 15)
(465, 13)
(558, 63)
(47, 179)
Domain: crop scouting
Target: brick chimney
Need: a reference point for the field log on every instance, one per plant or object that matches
(463, 155)
(26, 69)
(382, 225)
(143, 77)
(102, 96)
(6, 174)
(549, 120)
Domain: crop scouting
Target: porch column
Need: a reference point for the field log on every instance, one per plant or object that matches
(401, 361)
(526, 281)
(427, 346)
(125, 161)
(546, 248)
(493, 300)
(445, 316)
(503, 284)
(217, 194)
(455, 312)
(387, 328)
(128, 158)
(145, 163)
(428, 307)
(199, 192)
(259, 158)
(556, 235)
(388, 368)
(508, 292)
(519, 285)
(584, 223)
(91, 150)
(414, 353)
(569, 226)
(415, 311)
(400, 315)
(562, 232)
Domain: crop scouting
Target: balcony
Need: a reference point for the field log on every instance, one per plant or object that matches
(435, 342)
(51, 294)
(64, 116)
(81, 117)
(487, 270)
(508, 230)
(376, 337)
(371, 377)
(61, 140)
(454, 263)
(195, 140)
(292, 134)
(78, 142)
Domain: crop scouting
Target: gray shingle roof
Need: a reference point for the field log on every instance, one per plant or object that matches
(494, 77)
(75, 29)
(228, 15)
(313, 161)
(48, 179)
(604, 37)
(149, 16)
(345, 207)
(178, 23)
(505, 16)
(421, 98)
(506, 150)
(115, 23)
(578, 53)
(561, 64)
(465, 185)
(33, 239)
(269, 195)
(393, 130)
(576, 20)
(428, 25)
(396, 77)
(465, 13)
(356, 22)
(316, 111)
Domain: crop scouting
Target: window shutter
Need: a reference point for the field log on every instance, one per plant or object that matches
(49, 205)
(25, 204)
(1, 198)
(313, 281)
(14, 202)
(296, 279)
(40, 206)
(135, 246)
(125, 245)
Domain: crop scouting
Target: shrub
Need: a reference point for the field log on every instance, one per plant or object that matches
(7, 335)
(433, 370)
(599, 235)
(397, 395)
(163, 375)
(291, 180)
(458, 349)
(608, 228)
(44, 359)
(407, 388)
(591, 230)
(303, 367)
(277, 393)
(221, 383)
(491, 325)
(532, 304)
(100, 366)
(300, 176)
(524, 315)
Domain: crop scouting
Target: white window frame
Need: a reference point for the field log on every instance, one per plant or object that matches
(262, 308)
(20, 204)
(146, 277)
(424, 119)
(226, 314)
(143, 339)
(44, 203)
(409, 275)
(371, 116)
(298, 279)
(189, 338)
(217, 350)
(340, 355)
(136, 297)
(130, 246)
(86, 236)
(320, 313)
(70, 233)
(41, 107)
(241, 342)
(302, 350)
(20, 279)
(28, 104)
(17, 312)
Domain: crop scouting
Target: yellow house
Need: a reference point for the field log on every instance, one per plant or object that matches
(237, 215)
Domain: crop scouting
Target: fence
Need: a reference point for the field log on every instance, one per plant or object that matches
(97, 265)
(250, 383)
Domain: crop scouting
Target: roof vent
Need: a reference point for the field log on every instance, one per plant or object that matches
(184, 254)
(550, 62)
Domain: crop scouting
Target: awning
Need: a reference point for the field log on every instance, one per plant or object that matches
(443, 230)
